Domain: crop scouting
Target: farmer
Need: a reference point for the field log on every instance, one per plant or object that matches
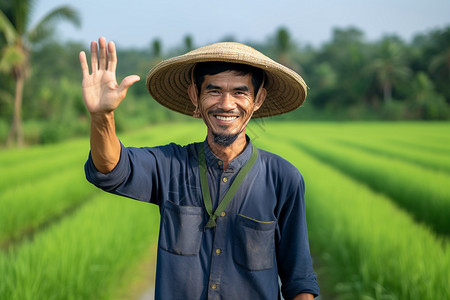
(232, 216)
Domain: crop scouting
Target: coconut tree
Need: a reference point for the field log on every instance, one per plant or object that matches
(390, 66)
(284, 46)
(19, 37)
(442, 61)
(440, 57)
(188, 43)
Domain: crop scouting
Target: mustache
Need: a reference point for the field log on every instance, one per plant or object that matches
(221, 111)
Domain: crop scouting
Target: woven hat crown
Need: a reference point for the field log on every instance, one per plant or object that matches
(169, 80)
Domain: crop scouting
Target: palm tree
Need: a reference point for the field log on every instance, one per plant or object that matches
(188, 43)
(18, 41)
(441, 60)
(283, 46)
(390, 66)
(157, 48)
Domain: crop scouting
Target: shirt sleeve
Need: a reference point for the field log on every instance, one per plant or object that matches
(135, 176)
(293, 254)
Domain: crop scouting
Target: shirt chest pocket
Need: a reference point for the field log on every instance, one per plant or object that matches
(181, 229)
(254, 243)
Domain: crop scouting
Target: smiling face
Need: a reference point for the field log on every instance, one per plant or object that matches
(226, 103)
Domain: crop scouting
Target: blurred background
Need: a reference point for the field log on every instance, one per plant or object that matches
(385, 60)
(372, 139)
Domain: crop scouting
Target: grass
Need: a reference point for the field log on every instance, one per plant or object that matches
(422, 191)
(422, 157)
(31, 204)
(34, 191)
(84, 255)
(30, 169)
(365, 244)
(9, 158)
(368, 248)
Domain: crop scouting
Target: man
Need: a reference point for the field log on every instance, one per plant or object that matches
(232, 216)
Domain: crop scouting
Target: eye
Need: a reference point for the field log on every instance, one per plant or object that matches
(213, 92)
(240, 93)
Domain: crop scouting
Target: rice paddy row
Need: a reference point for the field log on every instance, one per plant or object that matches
(84, 256)
(422, 191)
(365, 245)
(36, 191)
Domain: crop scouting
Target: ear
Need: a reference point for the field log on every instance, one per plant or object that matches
(192, 92)
(260, 97)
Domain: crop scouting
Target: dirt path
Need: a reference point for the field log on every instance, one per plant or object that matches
(139, 280)
(144, 288)
(148, 294)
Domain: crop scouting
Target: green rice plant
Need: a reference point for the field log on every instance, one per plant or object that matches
(35, 191)
(145, 137)
(84, 255)
(430, 138)
(26, 172)
(423, 136)
(32, 204)
(423, 192)
(365, 247)
(11, 157)
(166, 133)
(437, 161)
(26, 167)
(437, 147)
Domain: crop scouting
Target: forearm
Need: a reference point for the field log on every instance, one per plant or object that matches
(105, 146)
(304, 297)
(102, 95)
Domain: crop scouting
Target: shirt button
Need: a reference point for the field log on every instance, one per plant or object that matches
(218, 251)
(223, 214)
(220, 162)
(214, 286)
(224, 179)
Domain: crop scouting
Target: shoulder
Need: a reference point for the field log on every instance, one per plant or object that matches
(278, 166)
(169, 150)
(163, 155)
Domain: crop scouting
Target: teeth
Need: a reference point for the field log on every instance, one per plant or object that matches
(223, 118)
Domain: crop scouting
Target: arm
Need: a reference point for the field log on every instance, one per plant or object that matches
(304, 297)
(293, 255)
(102, 95)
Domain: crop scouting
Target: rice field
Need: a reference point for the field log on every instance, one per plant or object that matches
(377, 197)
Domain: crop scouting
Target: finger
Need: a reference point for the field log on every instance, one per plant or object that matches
(102, 53)
(84, 65)
(112, 57)
(126, 83)
(94, 57)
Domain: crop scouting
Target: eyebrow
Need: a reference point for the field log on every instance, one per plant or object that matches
(243, 88)
(212, 87)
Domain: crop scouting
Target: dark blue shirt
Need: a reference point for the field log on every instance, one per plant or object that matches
(261, 235)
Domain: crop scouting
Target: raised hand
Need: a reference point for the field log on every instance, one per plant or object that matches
(101, 92)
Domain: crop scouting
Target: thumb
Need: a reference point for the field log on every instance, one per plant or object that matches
(127, 82)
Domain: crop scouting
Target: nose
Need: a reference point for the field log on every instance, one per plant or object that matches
(227, 102)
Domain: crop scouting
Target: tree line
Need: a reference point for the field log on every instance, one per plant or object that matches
(349, 77)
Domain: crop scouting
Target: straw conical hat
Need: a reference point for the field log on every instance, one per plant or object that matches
(168, 81)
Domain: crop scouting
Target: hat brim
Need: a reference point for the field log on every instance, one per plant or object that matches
(169, 80)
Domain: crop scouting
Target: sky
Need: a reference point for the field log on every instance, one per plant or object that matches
(136, 23)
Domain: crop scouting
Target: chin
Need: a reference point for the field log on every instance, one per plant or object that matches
(223, 139)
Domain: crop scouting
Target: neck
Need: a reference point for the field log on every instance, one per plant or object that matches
(227, 153)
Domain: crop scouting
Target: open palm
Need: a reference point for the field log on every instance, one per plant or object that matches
(101, 92)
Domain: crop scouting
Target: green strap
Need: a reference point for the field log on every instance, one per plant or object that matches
(231, 191)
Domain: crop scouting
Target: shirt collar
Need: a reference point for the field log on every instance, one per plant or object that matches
(236, 164)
